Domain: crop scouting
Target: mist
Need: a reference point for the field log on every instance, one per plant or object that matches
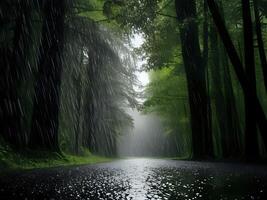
(145, 139)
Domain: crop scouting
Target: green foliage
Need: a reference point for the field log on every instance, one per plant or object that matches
(98, 72)
(167, 97)
(167, 93)
(13, 160)
(97, 86)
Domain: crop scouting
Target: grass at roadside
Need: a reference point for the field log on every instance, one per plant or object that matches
(11, 160)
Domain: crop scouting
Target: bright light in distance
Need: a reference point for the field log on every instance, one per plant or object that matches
(137, 40)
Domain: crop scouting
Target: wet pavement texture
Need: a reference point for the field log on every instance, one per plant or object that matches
(139, 178)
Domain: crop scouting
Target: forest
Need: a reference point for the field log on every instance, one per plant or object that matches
(133, 99)
(68, 75)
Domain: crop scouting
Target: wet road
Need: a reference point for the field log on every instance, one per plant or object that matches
(139, 179)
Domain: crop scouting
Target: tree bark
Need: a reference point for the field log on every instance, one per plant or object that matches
(234, 146)
(217, 91)
(202, 141)
(251, 140)
(44, 132)
(13, 63)
(78, 86)
(247, 87)
(260, 42)
(235, 133)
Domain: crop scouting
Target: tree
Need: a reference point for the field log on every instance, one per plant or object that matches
(251, 144)
(44, 133)
(171, 105)
(260, 41)
(95, 89)
(13, 64)
(196, 77)
(246, 85)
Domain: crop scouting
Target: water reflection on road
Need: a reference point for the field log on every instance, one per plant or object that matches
(139, 179)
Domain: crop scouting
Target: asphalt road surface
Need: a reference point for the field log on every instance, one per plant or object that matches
(139, 178)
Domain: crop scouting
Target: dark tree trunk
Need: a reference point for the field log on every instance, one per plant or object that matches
(78, 83)
(205, 34)
(44, 133)
(196, 78)
(12, 67)
(217, 91)
(78, 86)
(251, 140)
(247, 87)
(260, 42)
(205, 60)
(234, 127)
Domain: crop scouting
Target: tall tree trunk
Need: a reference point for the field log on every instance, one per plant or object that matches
(44, 133)
(247, 87)
(78, 86)
(205, 34)
(205, 59)
(251, 140)
(234, 128)
(217, 91)
(196, 78)
(12, 66)
(260, 42)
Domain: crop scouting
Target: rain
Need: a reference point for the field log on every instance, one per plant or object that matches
(126, 99)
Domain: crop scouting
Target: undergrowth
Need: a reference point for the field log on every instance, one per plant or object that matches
(12, 160)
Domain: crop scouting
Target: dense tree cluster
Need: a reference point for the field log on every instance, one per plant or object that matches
(209, 60)
(65, 78)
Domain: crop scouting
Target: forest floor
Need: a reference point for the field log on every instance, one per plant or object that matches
(11, 160)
